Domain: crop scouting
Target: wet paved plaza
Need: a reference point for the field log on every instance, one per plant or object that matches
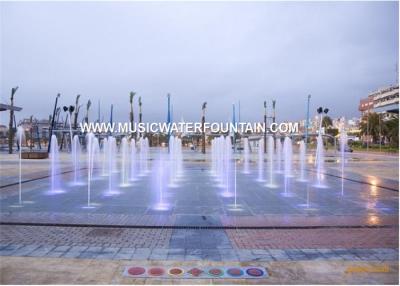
(354, 218)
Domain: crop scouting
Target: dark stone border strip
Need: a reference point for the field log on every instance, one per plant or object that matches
(194, 227)
(39, 178)
(357, 181)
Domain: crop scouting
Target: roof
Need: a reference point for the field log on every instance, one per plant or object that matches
(4, 107)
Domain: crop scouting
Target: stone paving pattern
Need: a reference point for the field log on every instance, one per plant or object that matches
(331, 230)
(192, 244)
(34, 270)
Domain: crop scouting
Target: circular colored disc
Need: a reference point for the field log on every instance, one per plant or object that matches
(215, 272)
(136, 270)
(175, 271)
(195, 272)
(156, 271)
(256, 272)
(235, 272)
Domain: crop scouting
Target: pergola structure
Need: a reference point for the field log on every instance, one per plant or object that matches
(5, 107)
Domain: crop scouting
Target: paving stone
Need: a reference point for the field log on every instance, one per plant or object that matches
(192, 251)
(63, 248)
(55, 254)
(72, 254)
(193, 257)
(176, 251)
(3, 245)
(279, 254)
(177, 257)
(228, 255)
(212, 255)
(25, 250)
(259, 251)
(127, 250)
(41, 251)
(78, 248)
(141, 253)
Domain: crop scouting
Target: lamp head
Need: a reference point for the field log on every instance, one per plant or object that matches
(319, 110)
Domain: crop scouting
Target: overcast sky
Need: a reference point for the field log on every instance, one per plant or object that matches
(215, 52)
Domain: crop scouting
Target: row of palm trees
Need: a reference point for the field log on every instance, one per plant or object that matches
(379, 129)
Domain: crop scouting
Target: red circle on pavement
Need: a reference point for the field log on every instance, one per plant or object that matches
(136, 270)
(175, 271)
(156, 271)
(215, 272)
(195, 272)
(256, 272)
(235, 272)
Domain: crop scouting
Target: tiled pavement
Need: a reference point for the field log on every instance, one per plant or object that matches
(181, 254)
(196, 245)
(315, 238)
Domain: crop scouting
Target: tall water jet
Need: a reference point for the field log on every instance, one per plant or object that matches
(159, 183)
(104, 158)
(260, 160)
(112, 149)
(213, 157)
(235, 183)
(172, 161)
(226, 167)
(343, 144)
(143, 156)
(278, 155)
(319, 161)
(288, 153)
(133, 161)
(55, 161)
(302, 158)
(76, 153)
(91, 142)
(124, 162)
(175, 161)
(271, 175)
(21, 138)
(70, 128)
(246, 158)
(147, 155)
(179, 158)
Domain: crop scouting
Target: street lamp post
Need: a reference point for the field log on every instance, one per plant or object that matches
(308, 117)
(169, 119)
(265, 127)
(52, 122)
(203, 120)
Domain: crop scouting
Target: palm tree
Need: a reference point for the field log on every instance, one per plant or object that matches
(140, 109)
(77, 107)
(10, 125)
(131, 96)
(370, 126)
(89, 103)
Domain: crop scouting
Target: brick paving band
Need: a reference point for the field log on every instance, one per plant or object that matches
(194, 226)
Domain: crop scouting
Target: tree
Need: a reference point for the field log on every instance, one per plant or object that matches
(77, 107)
(131, 96)
(10, 125)
(391, 131)
(370, 126)
(89, 103)
(326, 122)
(332, 131)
